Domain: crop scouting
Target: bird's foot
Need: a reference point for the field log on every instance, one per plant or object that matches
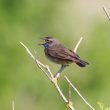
(60, 70)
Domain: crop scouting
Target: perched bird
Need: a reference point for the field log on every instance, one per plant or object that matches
(59, 54)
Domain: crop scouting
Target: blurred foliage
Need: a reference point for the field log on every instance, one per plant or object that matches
(66, 20)
(102, 106)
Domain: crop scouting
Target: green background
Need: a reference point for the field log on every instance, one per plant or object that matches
(66, 20)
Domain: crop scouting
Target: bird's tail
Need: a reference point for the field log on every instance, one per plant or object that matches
(81, 63)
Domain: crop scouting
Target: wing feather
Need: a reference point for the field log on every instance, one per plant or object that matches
(62, 53)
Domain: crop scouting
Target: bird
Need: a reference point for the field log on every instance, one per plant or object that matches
(59, 54)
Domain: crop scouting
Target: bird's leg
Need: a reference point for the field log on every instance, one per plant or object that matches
(60, 70)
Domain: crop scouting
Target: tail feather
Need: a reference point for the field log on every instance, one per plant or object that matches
(81, 63)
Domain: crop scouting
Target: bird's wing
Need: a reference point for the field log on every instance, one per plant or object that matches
(61, 52)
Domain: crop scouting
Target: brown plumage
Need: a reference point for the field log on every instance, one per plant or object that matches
(59, 54)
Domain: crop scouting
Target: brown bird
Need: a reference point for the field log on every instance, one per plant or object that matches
(59, 54)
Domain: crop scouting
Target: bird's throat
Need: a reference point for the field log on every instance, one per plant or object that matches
(46, 45)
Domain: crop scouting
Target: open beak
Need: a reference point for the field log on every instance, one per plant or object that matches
(41, 44)
(43, 38)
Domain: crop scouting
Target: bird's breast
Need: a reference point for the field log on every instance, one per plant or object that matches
(49, 56)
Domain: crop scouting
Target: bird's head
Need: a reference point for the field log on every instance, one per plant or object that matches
(49, 41)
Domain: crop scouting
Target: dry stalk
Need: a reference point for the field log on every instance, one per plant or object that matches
(13, 106)
(50, 76)
(75, 89)
(46, 70)
(106, 12)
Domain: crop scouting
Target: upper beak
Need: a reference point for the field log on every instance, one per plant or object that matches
(43, 38)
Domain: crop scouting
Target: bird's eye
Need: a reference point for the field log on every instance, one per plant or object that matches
(48, 41)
